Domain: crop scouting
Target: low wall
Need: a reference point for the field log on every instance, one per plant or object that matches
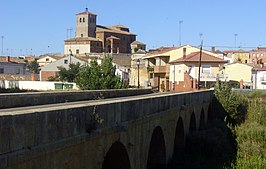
(41, 98)
(28, 77)
(31, 85)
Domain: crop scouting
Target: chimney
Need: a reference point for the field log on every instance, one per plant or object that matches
(8, 59)
(184, 53)
(213, 49)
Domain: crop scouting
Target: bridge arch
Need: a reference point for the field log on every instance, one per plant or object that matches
(116, 157)
(179, 141)
(202, 120)
(192, 123)
(157, 150)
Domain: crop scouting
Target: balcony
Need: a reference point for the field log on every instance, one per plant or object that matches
(162, 69)
(213, 77)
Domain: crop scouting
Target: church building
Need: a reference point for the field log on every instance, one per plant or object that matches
(93, 38)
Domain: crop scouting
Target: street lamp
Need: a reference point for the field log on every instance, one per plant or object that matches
(138, 63)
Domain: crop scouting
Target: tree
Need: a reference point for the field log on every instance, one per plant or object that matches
(69, 74)
(33, 67)
(95, 76)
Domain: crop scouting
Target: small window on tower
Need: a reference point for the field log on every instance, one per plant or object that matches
(83, 19)
(80, 19)
(77, 51)
(66, 61)
(81, 35)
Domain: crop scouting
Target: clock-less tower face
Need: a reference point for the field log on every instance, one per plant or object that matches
(86, 25)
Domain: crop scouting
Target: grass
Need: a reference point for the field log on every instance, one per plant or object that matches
(235, 137)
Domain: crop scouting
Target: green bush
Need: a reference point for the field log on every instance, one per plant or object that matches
(234, 104)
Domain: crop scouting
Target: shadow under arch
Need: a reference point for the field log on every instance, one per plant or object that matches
(192, 123)
(202, 120)
(179, 142)
(157, 150)
(116, 157)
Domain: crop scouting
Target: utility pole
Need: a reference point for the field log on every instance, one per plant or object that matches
(200, 65)
(2, 53)
(235, 39)
(180, 22)
(200, 35)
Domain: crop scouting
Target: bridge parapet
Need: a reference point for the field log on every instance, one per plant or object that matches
(11, 100)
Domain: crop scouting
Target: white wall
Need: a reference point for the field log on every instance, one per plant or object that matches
(32, 85)
(82, 49)
(258, 78)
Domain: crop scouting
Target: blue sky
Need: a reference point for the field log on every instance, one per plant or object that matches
(30, 26)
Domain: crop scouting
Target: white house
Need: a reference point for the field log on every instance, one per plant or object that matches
(10, 65)
(51, 69)
(259, 78)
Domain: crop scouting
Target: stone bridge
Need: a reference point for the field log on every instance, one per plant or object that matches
(137, 132)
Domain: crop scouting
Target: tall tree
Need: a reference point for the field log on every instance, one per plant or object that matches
(95, 76)
(69, 74)
(33, 66)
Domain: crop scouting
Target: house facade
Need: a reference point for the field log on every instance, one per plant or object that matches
(196, 67)
(138, 73)
(239, 72)
(12, 65)
(258, 55)
(46, 59)
(157, 63)
(259, 77)
(51, 70)
(242, 56)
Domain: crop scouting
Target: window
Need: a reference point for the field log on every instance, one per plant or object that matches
(18, 71)
(83, 19)
(80, 19)
(1, 70)
(206, 69)
(66, 61)
(81, 35)
(47, 59)
(77, 51)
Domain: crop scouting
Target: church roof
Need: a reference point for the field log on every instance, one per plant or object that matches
(111, 29)
(120, 26)
(86, 13)
(137, 43)
(83, 39)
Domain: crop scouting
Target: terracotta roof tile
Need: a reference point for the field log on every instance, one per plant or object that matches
(12, 59)
(86, 13)
(111, 29)
(195, 56)
(162, 50)
(137, 43)
(83, 39)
